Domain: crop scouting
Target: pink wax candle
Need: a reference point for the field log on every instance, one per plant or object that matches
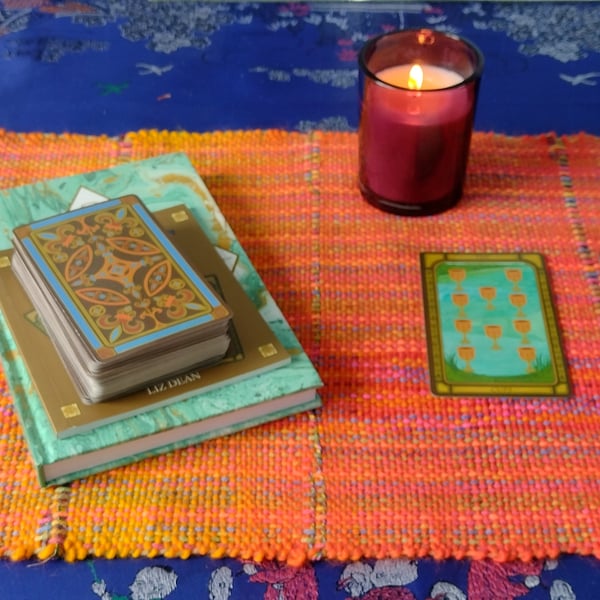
(419, 91)
(419, 77)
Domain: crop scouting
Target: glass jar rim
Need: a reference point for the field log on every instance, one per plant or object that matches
(478, 58)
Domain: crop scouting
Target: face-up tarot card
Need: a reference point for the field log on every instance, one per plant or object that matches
(491, 325)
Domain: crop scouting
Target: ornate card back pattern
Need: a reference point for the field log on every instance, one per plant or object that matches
(118, 276)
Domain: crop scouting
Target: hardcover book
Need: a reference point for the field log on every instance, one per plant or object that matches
(162, 182)
(254, 347)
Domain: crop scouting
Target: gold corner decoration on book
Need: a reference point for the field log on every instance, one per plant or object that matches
(179, 216)
(267, 350)
(70, 411)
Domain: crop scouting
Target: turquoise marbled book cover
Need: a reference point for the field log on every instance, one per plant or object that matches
(162, 182)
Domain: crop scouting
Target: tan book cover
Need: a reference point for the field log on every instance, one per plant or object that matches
(254, 347)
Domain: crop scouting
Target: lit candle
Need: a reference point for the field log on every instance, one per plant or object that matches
(416, 120)
(420, 77)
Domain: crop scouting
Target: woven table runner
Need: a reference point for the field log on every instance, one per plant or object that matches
(385, 468)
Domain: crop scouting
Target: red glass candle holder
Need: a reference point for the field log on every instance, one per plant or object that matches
(414, 135)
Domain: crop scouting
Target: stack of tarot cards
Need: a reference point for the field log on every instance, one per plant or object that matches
(121, 304)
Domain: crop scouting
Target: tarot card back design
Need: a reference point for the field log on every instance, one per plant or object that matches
(118, 277)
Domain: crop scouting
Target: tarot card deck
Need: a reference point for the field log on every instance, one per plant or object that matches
(121, 304)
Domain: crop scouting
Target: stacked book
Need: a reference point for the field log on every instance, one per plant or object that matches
(133, 323)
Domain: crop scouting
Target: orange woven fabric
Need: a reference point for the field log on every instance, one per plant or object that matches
(385, 468)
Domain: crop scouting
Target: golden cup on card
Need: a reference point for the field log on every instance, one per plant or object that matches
(463, 326)
(466, 353)
(494, 332)
(528, 354)
(522, 326)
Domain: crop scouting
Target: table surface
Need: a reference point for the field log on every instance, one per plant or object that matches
(108, 67)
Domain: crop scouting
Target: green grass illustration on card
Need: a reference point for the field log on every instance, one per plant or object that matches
(491, 325)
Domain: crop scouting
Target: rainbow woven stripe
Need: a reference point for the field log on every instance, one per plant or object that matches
(385, 468)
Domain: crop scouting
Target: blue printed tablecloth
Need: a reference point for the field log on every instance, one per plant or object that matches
(111, 66)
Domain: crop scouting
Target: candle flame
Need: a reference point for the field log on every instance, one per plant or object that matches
(415, 77)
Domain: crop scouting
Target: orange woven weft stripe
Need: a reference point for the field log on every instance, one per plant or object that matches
(385, 468)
